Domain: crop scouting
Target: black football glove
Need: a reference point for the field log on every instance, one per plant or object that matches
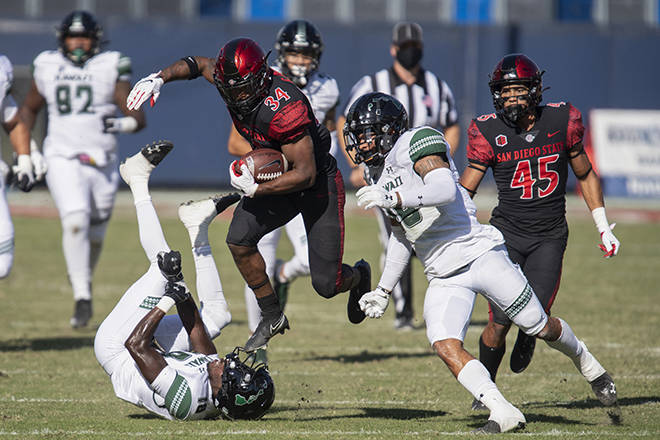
(169, 264)
(178, 291)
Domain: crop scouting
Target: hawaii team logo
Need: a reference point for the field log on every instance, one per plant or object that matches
(501, 140)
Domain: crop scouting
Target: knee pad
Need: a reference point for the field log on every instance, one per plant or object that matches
(531, 318)
(76, 222)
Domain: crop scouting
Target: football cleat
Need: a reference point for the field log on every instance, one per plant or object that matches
(355, 313)
(142, 163)
(266, 329)
(503, 419)
(224, 201)
(522, 352)
(404, 323)
(169, 264)
(478, 406)
(281, 288)
(82, 313)
(196, 213)
(604, 389)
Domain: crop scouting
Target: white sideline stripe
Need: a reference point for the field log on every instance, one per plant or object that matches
(289, 433)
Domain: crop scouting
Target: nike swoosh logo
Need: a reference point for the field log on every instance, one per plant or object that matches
(275, 162)
(553, 133)
(274, 328)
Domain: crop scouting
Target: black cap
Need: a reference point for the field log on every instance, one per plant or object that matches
(404, 32)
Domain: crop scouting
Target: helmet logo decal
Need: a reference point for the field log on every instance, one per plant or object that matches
(501, 140)
(240, 400)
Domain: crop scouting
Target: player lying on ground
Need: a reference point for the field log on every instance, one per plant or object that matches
(269, 111)
(184, 378)
(413, 177)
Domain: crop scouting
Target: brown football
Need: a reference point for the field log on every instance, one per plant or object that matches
(265, 164)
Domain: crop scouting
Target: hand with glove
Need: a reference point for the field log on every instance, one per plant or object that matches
(610, 245)
(374, 303)
(38, 161)
(144, 89)
(127, 124)
(242, 179)
(24, 172)
(373, 195)
(178, 291)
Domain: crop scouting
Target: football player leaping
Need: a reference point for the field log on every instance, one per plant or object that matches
(186, 380)
(82, 88)
(414, 178)
(529, 147)
(24, 170)
(269, 111)
(299, 47)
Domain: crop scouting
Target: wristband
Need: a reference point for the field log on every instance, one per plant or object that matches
(384, 290)
(600, 219)
(165, 304)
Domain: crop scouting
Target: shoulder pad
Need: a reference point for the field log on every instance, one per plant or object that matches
(425, 142)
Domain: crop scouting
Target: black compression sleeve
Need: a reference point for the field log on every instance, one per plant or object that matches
(192, 65)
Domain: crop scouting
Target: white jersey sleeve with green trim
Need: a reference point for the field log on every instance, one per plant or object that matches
(447, 237)
(8, 107)
(78, 98)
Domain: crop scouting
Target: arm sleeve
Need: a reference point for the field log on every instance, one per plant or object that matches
(479, 149)
(396, 260)
(439, 189)
(175, 389)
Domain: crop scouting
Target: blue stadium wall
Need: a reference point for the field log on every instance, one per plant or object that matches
(593, 67)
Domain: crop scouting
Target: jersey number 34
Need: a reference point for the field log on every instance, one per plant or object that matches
(274, 102)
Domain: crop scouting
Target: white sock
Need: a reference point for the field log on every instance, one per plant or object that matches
(213, 305)
(140, 188)
(151, 233)
(293, 269)
(199, 235)
(476, 379)
(75, 244)
(577, 351)
(82, 286)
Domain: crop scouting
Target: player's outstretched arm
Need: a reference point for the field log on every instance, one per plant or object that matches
(148, 88)
(133, 121)
(149, 361)
(472, 177)
(200, 341)
(31, 106)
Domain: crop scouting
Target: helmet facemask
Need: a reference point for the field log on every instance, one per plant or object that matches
(247, 390)
(243, 94)
(79, 24)
(302, 38)
(298, 73)
(369, 143)
(515, 112)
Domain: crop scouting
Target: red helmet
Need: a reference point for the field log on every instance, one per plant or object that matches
(242, 75)
(516, 68)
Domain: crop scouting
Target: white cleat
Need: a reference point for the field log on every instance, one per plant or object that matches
(197, 213)
(504, 417)
(141, 164)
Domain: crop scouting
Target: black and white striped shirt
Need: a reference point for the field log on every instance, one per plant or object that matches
(428, 102)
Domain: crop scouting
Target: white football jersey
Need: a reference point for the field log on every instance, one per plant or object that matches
(445, 238)
(322, 92)
(187, 395)
(8, 106)
(78, 98)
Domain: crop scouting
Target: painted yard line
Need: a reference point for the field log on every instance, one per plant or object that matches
(289, 433)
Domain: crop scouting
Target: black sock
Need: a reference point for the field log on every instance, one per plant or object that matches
(491, 357)
(270, 306)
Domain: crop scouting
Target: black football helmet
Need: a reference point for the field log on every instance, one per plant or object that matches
(79, 24)
(299, 36)
(242, 75)
(516, 68)
(374, 117)
(247, 389)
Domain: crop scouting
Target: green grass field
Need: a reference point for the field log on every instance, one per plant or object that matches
(333, 379)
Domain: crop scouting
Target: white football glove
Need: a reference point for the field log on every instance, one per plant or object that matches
(144, 89)
(24, 172)
(374, 303)
(127, 124)
(373, 195)
(243, 182)
(610, 244)
(38, 161)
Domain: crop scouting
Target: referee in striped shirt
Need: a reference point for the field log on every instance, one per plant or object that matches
(428, 101)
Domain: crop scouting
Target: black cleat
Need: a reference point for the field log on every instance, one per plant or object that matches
(604, 389)
(492, 427)
(478, 406)
(169, 264)
(266, 329)
(224, 201)
(82, 313)
(355, 313)
(155, 152)
(522, 352)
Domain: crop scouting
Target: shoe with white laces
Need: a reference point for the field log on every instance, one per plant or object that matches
(141, 164)
(503, 417)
